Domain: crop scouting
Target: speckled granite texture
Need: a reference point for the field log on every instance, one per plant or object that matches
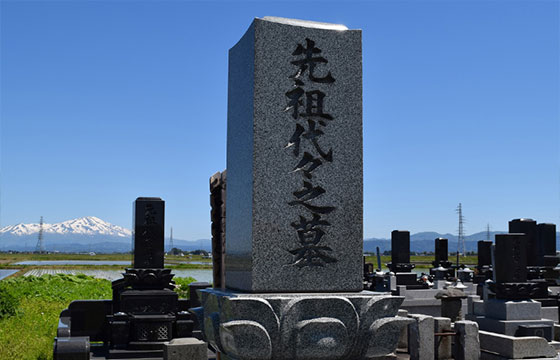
(340, 326)
(294, 159)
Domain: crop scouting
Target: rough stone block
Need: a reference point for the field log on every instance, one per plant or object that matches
(403, 337)
(442, 343)
(512, 310)
(185, 349)
(467, 345)
(516, 347)
(294, 158)
(421, 337)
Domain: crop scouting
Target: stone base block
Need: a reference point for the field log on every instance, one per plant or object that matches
(507, 327)
(550, 313)
(442, 343)
(512, 310)
(421, 337)
(185, 349)
(515, 347)
(301, 326)
(484, 355)
(467, 344)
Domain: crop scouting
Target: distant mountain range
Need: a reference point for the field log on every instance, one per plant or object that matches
(85, 234)
(90, 233)
(424, 242)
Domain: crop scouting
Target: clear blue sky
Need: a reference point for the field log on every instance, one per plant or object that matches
(102, 102)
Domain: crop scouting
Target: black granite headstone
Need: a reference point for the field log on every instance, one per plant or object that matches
(510, 258)
(148, 233)
(400, 247)
(484, 253)
(546, 233)
(441, 250)
(534, 253)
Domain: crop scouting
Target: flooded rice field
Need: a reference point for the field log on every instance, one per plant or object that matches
(4, 273)
(204, 275)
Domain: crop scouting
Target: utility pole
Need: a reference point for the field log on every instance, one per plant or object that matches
(40, 248)
(171, 240)
(461, 231)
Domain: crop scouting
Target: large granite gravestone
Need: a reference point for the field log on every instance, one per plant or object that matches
(294, 203)
(294, 158)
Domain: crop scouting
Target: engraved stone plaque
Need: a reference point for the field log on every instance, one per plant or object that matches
(294, 158)
(148, 233)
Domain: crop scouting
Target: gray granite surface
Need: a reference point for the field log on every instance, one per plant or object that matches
(467, 343)
(421, 337)
(347, 326)
(185, 349)
(442, 344)
(516, 347)
(512, 310)
(294, 159)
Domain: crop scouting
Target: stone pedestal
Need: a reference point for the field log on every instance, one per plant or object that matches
(301, 326)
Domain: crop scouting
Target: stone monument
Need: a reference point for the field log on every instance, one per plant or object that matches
(442, 266)
(400, 260)
(484, 266)
(144, 314)
(293, 266)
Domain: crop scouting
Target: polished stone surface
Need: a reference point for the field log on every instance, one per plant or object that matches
(294, 158)
(149, 225)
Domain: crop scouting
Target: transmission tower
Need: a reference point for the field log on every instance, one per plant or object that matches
(171, 240)
(487, 231)
(461, 231)
(40, 248)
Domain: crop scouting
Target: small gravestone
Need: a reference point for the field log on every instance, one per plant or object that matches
(546, 234)
(294, 246)
(442, 266)
(484, 266)
(400, 259)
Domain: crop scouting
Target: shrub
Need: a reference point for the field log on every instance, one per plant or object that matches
(8, 303)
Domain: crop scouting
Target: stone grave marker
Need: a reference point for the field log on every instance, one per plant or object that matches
(533, 249)
(294, 158)
(294, 246)
(148, 233)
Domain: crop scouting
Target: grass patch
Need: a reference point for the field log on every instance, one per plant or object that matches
(28, 331)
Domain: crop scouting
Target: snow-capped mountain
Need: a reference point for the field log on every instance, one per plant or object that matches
(89, 225)
(78, 235)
